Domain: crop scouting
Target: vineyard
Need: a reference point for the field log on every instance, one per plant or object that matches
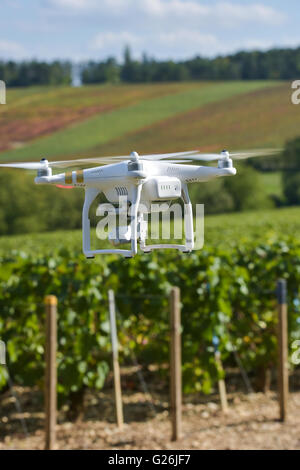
(224, 293)
(238, 227)
(228, 298)
(227, 291)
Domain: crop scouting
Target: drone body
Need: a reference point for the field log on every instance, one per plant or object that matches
(141, 180)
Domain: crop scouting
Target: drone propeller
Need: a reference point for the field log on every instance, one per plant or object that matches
(44, 164)
(25, 166)
(178, 157)
(115, 159)
(99, 160)
(210, 157)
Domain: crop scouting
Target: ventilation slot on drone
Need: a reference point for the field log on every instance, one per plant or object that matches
(171, 170)
(121, 191)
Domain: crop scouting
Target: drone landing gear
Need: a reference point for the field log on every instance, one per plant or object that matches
(90, 195)
(138, 227)
(188, 228)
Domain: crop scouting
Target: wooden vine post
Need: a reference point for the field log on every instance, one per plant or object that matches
(51, 374)
(175, 364)
(283, 373)
(221, 385)
(116, 367)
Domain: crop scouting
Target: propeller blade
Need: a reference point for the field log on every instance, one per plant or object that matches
(82, 162)
(70, 163)
(176, 161)
(178, 157)
(25, 165)
(163, 156)
(255, 153)
(206, 157)
(242, 155)
(115, 159)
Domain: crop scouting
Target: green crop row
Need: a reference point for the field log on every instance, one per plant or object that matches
(225, 292)
(220, 230)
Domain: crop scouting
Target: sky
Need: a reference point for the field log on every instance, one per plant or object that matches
(165, 29)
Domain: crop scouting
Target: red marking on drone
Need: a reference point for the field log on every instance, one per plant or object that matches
(64, 187)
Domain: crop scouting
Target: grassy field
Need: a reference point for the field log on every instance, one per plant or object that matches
(37, 111)
(261, 118)
(220, 230)
(125, 117)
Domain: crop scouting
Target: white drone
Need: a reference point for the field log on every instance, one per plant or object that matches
(143, 180)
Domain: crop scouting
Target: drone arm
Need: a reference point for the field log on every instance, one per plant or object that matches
(194, 174)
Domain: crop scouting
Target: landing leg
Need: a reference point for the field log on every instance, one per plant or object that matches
(134, 218)
(188, 228)
(188, 219)
(90, 195)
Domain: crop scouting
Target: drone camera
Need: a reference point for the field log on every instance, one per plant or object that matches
(120, 235)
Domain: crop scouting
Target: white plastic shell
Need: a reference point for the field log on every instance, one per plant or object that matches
(161, 188)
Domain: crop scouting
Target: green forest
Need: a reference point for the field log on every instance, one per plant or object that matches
(275, 64)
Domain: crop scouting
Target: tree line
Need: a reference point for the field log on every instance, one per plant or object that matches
(29, 73)
(275, 64)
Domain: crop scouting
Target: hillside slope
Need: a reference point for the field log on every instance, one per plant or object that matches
(37, 111)
(260, 118)
(136, 108)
